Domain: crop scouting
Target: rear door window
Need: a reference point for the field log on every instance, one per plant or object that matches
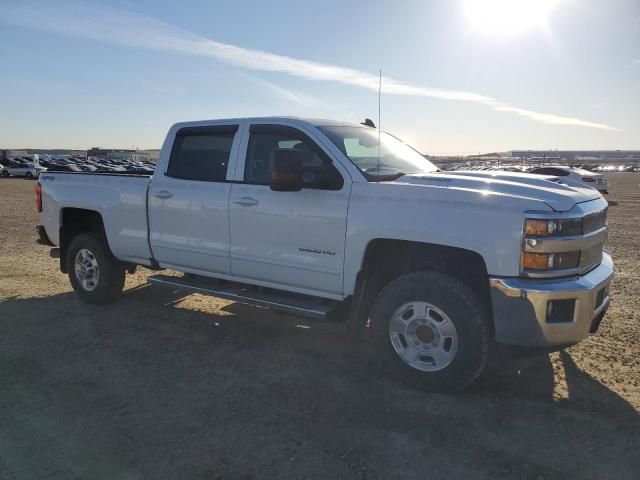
(202, 153)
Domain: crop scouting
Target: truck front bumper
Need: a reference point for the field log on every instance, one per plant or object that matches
(547, 313)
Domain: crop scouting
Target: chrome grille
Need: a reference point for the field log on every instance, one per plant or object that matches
(590, 258)
(594, 221)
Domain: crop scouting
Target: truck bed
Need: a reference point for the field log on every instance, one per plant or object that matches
(121, 200)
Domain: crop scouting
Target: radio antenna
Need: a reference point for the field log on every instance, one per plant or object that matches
(379, 124)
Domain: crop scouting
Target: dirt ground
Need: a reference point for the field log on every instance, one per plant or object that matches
(163, 385)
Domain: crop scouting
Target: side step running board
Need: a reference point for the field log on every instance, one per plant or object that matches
(296, 304)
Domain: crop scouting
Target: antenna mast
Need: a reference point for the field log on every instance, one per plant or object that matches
(379, 124)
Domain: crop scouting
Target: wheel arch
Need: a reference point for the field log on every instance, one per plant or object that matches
(386, 259)
(73, 222)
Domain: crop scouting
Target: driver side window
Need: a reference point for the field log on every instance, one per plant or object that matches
(318, 171)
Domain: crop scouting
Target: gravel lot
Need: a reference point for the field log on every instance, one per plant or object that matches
(163, 385)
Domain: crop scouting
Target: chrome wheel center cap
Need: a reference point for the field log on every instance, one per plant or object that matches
(425, 334)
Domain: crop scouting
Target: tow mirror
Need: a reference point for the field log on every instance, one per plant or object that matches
(286, 170)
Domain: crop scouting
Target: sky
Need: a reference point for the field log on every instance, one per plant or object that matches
(458, 76)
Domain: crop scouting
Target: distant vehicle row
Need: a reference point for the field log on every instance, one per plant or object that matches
(94, 165)
(522, 168)
(24, 167)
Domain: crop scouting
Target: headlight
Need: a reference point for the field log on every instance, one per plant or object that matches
(550, 261)
(557, 227)
(555, 247)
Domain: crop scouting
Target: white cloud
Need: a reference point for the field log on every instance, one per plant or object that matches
(287, 94)
(636, 62)
(551, 118)
(131, 29)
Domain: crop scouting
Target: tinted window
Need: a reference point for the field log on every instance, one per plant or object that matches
(264, 139)
(201, 153)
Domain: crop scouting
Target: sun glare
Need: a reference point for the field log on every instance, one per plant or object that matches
(508, 16)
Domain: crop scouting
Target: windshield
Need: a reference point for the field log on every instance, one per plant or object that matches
(391, 160)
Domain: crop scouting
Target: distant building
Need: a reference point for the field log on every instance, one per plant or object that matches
(16, 153)
(109, 154)
(146, 156)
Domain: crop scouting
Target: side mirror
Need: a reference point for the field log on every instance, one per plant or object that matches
(286, 170)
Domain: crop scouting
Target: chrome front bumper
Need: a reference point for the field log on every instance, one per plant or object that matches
(521, 307)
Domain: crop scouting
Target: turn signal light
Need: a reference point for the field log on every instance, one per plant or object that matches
(550, 261)
(537, 261)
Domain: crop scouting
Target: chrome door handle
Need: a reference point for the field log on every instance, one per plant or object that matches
(163, 194)
(246, 201)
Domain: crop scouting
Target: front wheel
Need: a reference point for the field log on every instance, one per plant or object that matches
(28, 175)
(95, 274)
(431, 330)
(5, 174)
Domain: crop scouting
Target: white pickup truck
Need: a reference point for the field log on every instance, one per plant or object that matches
(336, 220)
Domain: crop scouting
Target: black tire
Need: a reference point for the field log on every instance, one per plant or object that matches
(5, 174)
(463, 308)
(111, 272)
(29, 175)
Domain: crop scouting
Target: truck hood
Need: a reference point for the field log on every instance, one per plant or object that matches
(558, 193)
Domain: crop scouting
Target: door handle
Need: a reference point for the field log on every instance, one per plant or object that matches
(163, 194)
(246, 201)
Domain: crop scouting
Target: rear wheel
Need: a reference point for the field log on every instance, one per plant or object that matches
(431, 330)
(95, 274)
(5, 173)
(28, 175)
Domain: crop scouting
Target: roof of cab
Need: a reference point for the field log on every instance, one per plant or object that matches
(316, 122)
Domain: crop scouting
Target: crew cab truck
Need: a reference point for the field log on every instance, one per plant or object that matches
(340, 221)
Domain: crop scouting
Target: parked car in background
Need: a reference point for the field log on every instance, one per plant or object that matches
(591, 179)
(20, 170)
